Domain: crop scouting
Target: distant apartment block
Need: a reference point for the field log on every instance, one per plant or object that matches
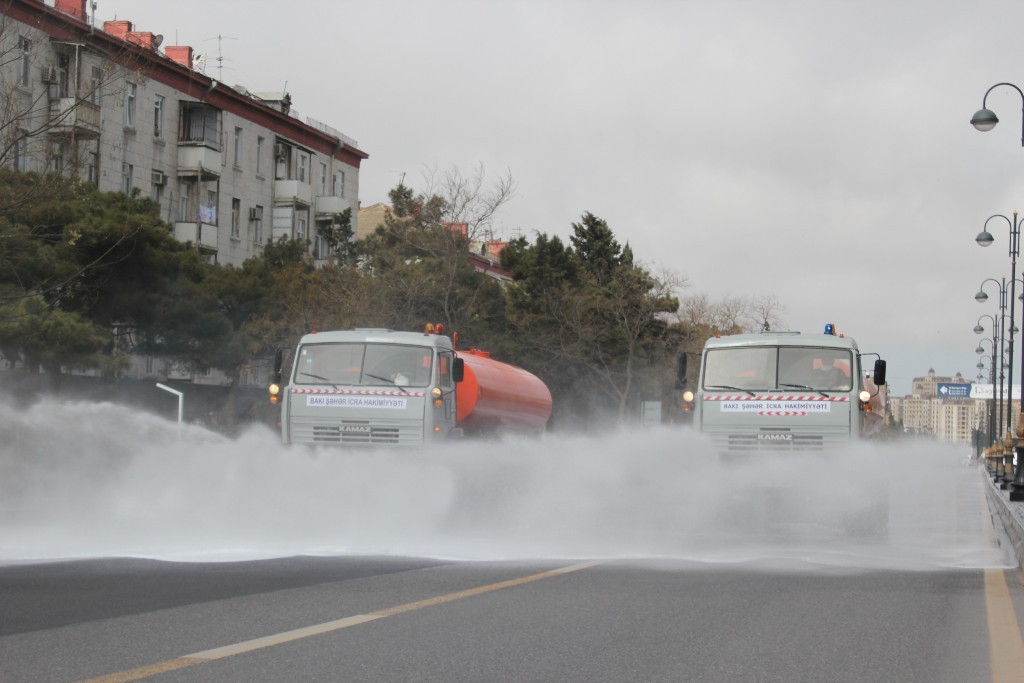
(944, 407)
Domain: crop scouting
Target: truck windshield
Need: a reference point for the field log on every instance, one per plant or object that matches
(358, 364)
(769, 368)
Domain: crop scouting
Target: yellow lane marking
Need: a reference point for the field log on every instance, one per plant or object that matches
(145, 671)
(326, 627)
(1005, 644)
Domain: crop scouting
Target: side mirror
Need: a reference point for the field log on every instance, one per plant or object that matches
(458, 369)
(879, 374)
(278, 362)
(680, 370)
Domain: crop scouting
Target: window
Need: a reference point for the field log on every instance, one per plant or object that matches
(57, 157)
(93, 171)
(259, 155)
(24, 48)
(257, 225)
(380, 365)
(130, 93)
(158, 116)
(199, 125)
(186, 211)
(208, 212)
(236, 216)
(323, 179)
(96, 86)
(301, 229)
(282, 161)
(319, 248)
(338, 190)
(767, 368)
(303, 168)
(63, 69)
(126, 178)
(444, 369)
(21, 152)
(818, 369)
(238, 147)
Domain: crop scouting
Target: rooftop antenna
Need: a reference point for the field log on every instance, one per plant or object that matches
(220, 54)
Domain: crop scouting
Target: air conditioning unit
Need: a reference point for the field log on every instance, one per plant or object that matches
(278, 150)
(49, 74)
(254, 215)
(159, 177)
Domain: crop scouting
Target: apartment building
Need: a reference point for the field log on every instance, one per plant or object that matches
(231, 168)
(946, 407)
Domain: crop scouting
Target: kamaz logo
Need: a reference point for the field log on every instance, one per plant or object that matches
(774, 437)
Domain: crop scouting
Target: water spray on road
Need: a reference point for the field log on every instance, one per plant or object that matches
(100, 480)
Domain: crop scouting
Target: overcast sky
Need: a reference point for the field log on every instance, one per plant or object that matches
(818, 151)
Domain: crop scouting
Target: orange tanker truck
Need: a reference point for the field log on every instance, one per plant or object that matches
(368, 387)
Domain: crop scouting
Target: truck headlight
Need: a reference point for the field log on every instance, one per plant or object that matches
(688, 396)
(864, 396)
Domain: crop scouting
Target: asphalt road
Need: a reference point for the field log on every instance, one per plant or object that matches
(398, 619)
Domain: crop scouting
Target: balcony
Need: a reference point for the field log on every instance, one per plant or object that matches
(71, 116)
(201, 235)
(198, 161)
(292, 192)
(330, 206)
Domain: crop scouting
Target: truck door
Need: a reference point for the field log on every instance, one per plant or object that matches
(446, 383)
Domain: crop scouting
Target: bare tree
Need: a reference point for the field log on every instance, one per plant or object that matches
(468, 200)
(766, 311)
(423, 248)
(731, 314)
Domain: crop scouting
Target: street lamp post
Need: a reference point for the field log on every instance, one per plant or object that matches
(984, 120)
(986, 438)
(982, 297)
(995, 372)
(995, 453)
(978, 329)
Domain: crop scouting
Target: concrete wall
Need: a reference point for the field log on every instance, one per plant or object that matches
(1010, 514)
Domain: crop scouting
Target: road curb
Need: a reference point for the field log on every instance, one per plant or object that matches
(1010, 514)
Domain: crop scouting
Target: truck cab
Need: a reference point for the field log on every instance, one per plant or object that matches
(367, 387)
(785, 391)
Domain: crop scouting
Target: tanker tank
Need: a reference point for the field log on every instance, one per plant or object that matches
(496, 396)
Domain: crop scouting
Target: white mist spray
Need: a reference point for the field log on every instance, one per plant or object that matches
(100, 480)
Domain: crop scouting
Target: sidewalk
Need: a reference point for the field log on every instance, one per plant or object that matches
(1011, 515)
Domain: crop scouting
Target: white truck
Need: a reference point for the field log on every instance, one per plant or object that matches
(381, 387)
(784, 391)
